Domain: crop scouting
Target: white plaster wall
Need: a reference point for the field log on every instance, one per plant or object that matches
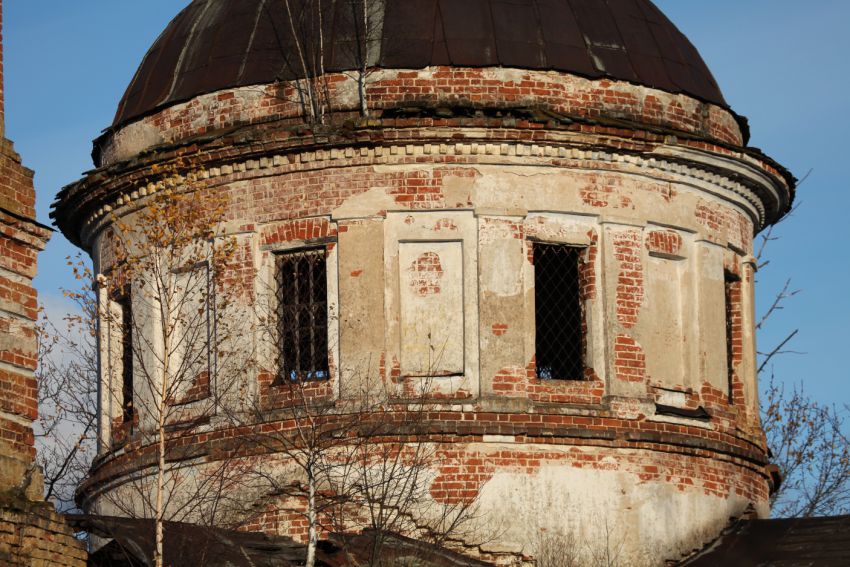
(603, 509)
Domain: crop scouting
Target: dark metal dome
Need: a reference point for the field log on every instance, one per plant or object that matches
(218, 44)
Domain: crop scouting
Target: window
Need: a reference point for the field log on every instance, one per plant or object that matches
(733, 328)
(559, 313)
(125, 320)
(302, 291)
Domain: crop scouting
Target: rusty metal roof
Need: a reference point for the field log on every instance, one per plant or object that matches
(131, 544)
(218, 44)
(794, 542)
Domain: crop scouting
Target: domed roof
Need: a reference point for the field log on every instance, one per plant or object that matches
(217, 44)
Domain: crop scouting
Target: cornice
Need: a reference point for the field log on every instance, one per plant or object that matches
(82, 209)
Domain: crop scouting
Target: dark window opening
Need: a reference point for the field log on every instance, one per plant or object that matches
(302, 292)
(559, 312)
(126, 356)
(733, 327)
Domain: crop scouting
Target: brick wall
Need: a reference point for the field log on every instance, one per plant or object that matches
(20, 241)
(609, 181)
(284, 198)
(33, 535)
(16, 189)
(436, 88)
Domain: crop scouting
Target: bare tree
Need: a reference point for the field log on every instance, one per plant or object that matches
(67, 393)
(557, 549)
(307, 34)
(779, 300)
(357, 46)
(368, 18)
(808, 443)
(567, 549)
(807, 439)
(388, 482)
(167, 334)
(155, 331)
(355, 462)
(359, 466)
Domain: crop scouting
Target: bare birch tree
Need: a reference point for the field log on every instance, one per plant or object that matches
(166, 338)
(356, 46)
(306, 23)
(368, 18)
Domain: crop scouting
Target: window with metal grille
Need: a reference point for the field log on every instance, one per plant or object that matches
(559, 313)
(126, 356)
(302, 295)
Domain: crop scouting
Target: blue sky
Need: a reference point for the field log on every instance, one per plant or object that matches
(782, 63)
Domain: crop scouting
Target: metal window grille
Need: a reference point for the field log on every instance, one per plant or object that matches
(126, 356)
(559, 312)
(302, 292)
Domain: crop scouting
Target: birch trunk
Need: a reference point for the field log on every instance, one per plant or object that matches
(312, 530)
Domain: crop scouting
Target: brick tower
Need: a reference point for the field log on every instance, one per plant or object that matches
(31, 533)
(541, 213)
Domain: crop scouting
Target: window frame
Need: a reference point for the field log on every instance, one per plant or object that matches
(121, 301)
(580, 251)
(282, 376)
(731, 280)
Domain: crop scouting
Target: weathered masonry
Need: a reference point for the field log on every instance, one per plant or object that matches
(542, 212)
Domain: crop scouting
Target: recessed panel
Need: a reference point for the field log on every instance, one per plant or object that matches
(431, 294)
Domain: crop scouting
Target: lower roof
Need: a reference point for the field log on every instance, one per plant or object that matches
(794, 542)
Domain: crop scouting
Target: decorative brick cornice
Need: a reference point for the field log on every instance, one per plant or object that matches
(750, 183)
